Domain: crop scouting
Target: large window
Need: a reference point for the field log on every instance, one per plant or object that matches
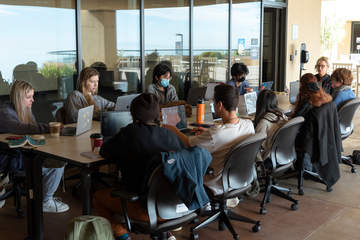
(167, 39)
(246, 37)
(210, 42)
(38, 46)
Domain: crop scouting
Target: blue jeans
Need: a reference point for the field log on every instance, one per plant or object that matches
(51, 181)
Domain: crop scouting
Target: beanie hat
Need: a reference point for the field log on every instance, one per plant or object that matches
(145, 108)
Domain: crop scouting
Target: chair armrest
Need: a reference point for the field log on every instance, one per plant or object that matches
(125, 195)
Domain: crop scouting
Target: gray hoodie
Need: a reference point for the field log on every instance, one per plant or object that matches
(269, 128)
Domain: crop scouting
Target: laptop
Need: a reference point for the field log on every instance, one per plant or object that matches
(267, 85)
(209, 93)
(195, 94)
(294, 91)
(247, 104)
(213, 113)
(84, 122)
(175, 116)
(112, 122)
(123, 102)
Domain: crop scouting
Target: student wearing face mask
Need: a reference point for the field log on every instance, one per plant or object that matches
(161, 86)
(238, 75)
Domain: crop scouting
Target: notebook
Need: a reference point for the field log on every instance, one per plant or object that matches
(112, 122)
(123, 102)
(294, 91)
(175, 116)
(84, 122)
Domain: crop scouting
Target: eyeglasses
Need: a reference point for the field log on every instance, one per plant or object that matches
(321, 66)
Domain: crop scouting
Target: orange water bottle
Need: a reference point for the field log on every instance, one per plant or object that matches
(200, 111)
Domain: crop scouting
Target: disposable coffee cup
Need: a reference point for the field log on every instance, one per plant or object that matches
(55, 128)
(96, 142)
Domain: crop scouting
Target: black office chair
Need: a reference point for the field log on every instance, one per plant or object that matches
(237, 176)
(346, 114)
(162, 202)
(282, 157)
(16, 178)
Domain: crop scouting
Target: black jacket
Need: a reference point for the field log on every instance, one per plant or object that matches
(325, 83)
(134, 148)
(321, 138)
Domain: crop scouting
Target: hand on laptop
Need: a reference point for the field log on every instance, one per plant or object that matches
(198, 130)
(249, 90)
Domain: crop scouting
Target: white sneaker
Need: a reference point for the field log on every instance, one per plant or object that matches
(232, 202)
(2, 192)
(55, 205)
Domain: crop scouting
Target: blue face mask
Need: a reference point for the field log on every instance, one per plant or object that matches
(165, 82)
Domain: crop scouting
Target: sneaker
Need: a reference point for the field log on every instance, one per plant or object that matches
(55, 205)
(232, 202)
(2, 192)
(170, 236)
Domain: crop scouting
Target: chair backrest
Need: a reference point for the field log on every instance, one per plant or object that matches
(162, 200)
(239, 164)
(283, 146)
(346, 114)
(195, 93)
(112, 122)
(342, 65)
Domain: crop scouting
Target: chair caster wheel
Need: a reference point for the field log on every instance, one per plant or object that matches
(196, 220)
(194, 236)
(353, 170)
(263, 211)
(236, 237)
(329, 189)
(294, 206)
(256, 227)
(301, 192)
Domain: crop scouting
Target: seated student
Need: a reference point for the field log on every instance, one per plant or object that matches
(268, 119)
(238, 74)
(318, 142)
(322, 66)
(219, 139)
(302, 104)
(17, 118)
(132, 148)
(341, 79)
(161, 86)
(86, 95)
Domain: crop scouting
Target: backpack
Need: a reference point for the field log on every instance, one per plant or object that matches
(89, 228)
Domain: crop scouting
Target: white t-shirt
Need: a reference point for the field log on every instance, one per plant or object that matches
(218, 140)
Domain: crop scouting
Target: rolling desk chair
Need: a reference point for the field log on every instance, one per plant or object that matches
(237, 176)
(282, 157)
(162, 202)
(346, 114)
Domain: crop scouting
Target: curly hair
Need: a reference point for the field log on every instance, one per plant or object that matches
(342, 75)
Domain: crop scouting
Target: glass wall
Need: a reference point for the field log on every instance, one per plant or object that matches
(167, 39)
(110, 43)
(245, 40)
(210, 40)
(38, 46)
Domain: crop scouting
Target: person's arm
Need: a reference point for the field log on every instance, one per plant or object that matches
(172, 94)
(105, 104)
(112, 148)
(182, 136)
(9, 123)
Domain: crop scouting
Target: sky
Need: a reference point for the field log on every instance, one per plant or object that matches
(30, 33)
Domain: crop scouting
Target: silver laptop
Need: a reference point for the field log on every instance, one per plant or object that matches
(209, 94)
(123, 102)
(84, 122)
(175, 116)
(247, 104)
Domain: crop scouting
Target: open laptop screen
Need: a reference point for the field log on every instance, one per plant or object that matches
(294, 91)
(174, 116)
(123, 102)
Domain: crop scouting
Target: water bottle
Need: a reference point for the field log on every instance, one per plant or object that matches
(200, 111)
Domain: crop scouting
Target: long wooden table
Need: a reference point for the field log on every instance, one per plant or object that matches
(63, 148)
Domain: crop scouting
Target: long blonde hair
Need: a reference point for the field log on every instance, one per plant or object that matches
(18, 91)
(85, 75)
